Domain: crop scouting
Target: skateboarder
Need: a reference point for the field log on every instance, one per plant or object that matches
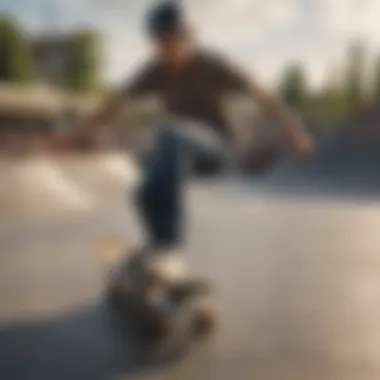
(191, 82)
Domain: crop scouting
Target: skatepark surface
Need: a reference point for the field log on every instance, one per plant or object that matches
(295, 257)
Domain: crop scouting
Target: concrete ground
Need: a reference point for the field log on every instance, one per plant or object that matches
(298, 291)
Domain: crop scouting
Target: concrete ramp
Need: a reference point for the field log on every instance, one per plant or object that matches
(297, 282)
(39, 187)
(105, 176)
(45, 187)
(341, 166)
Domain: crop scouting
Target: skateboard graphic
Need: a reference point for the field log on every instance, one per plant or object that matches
(164, 308)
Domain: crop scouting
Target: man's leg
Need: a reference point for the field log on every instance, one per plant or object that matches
(160, 196)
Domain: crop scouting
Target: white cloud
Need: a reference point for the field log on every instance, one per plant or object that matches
(353, 18)
(281, 30)
(234, 21)
(222, 23)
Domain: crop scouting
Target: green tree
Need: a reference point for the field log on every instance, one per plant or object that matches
(293, 86)
(376, 81)
(16, 62)
(332, 97)
(83, 62)
(355, 77)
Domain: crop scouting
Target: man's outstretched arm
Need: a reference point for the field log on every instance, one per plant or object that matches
(104, 115)
(235, 79)
(299, 139)
(143, 83)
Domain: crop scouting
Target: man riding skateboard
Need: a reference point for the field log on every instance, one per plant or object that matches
(192, 83)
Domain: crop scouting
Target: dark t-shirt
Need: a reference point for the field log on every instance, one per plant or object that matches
(195, 92)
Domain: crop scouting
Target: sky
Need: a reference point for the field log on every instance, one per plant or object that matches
(261, 35)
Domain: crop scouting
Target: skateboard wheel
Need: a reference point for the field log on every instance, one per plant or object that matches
(158, 329)
(114, 294)
(163, 328)
(204, 320)
(118, 292)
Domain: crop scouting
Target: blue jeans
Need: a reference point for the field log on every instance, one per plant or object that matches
(160, 199)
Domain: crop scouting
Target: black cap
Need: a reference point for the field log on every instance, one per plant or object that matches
(164, 18)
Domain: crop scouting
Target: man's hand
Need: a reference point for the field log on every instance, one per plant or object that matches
(87, 130)
(84, 134)
(302, 144)
(77, 137)
(257, 162)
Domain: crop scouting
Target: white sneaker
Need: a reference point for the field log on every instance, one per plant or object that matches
(169, 266)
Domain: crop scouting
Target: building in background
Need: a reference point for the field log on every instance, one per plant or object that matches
(68, 60)
(51, 55)
(31, 115)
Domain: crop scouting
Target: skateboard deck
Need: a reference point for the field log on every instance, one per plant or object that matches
(164, 309)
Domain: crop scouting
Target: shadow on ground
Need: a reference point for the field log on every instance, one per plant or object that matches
(85, 344)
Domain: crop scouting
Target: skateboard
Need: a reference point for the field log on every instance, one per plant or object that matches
(164, 310)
